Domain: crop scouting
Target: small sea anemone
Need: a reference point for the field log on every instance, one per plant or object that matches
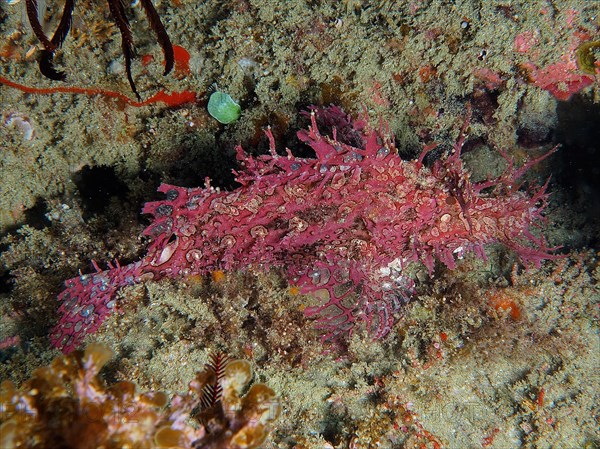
(21, 122)
(588, 57)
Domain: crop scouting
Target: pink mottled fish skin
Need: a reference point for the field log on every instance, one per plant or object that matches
(343, 225)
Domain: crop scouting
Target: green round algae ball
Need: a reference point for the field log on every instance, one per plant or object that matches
(222, 107)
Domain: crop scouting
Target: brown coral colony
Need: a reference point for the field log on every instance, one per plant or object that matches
(67, 405)
(117, 11)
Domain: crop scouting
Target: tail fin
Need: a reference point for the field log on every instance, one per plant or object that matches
(87, 301)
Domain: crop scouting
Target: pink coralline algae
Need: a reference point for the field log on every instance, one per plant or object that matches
(560, 79)
(563, 78)
(342, 225)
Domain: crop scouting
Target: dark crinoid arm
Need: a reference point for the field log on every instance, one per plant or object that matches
(161, 34)
(50, 45)
(117, 11)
